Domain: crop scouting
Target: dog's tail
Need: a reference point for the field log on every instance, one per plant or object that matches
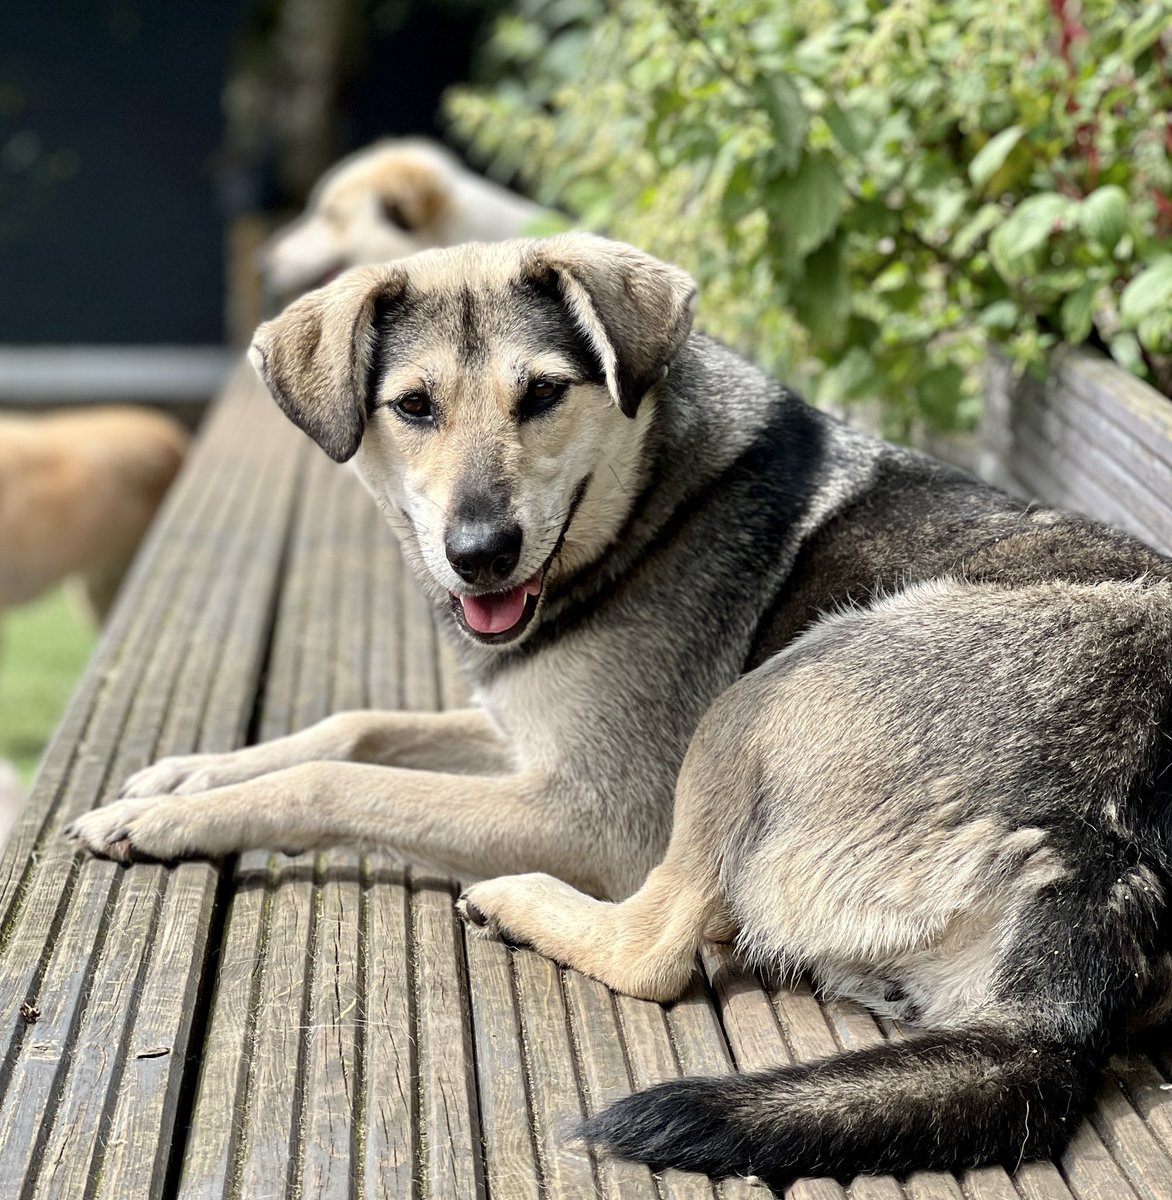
(949, 1099)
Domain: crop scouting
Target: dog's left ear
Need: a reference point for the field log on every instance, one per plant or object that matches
(316, 356)
(635, 310)
(414, 195)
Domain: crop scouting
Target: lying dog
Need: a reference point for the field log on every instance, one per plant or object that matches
(385, 202)
(77, 492)
(918, 733)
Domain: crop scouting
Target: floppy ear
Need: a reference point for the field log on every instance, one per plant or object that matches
(635, 310)
(316, 356)
(413, 193)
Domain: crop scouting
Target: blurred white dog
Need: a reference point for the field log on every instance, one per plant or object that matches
(385, 202)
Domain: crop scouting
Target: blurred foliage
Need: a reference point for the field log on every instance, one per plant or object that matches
(865, 190)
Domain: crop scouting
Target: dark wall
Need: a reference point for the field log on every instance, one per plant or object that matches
(109, 120)
(111, 221)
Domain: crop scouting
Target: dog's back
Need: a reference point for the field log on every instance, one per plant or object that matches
(77, 492)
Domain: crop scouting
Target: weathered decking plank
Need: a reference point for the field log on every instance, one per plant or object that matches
(653, 1056)
(510, 1154)
(1091, 477)
(598, 1039)
(265, 1127)
(555, 1099)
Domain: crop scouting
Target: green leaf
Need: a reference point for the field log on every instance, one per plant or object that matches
(1078, 311)
(742, 194)
(1143, 33)
(947, 205)
(1147, 292)
(1026, 229)
(892, 278)
(822, 299)
(1058, 281)
(1126, 352)
(1155, 331)
(1000, 315)
(806, 205)
(850, 127)
(969, 234)
(852, 377)
(1102, 216)
(940, 392)
(787, 117)
(992, 155)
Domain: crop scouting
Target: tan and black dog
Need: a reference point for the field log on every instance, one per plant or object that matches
(918, 735)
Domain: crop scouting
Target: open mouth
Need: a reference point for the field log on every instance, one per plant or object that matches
(499, 616)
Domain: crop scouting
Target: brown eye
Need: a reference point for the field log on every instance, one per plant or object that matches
(415, 406)
(541, 396)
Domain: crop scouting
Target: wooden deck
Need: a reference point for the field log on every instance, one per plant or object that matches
(319, 1026)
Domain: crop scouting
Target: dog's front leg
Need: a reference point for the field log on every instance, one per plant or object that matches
(479, 824)
(458, 742)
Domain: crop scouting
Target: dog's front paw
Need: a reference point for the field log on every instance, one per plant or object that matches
(475, 917)
(163, 778)
(185, 775)
(130, 830)
(512, 907)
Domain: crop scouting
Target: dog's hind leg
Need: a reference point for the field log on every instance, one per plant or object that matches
(646, 945)
(1010, 1081)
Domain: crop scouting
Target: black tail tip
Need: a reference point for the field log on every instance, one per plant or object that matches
(689, 1124)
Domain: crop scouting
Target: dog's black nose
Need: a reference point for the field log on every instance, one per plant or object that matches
(483, 552)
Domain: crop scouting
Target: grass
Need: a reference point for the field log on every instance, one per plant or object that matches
(43, 649)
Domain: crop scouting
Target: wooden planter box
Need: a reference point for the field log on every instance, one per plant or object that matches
(1092, 438)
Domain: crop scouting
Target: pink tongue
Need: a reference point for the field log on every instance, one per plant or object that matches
(496, 612)
(500, 611)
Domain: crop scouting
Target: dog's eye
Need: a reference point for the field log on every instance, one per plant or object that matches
(415, 406)
(541, 396)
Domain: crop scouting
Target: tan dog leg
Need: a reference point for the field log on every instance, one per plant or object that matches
(646, 946)
(463, 741)
(472, 823)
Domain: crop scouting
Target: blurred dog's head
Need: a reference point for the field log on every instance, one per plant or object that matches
(492, 399)
(385, 202)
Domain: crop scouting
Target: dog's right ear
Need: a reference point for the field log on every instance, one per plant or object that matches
(316, 356)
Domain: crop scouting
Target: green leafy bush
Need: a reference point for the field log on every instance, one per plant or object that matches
(864, 189)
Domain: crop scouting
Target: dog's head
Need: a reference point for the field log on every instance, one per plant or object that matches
(491, 397)
(385, 202)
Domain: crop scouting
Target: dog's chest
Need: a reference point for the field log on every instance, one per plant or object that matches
(630, 669)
